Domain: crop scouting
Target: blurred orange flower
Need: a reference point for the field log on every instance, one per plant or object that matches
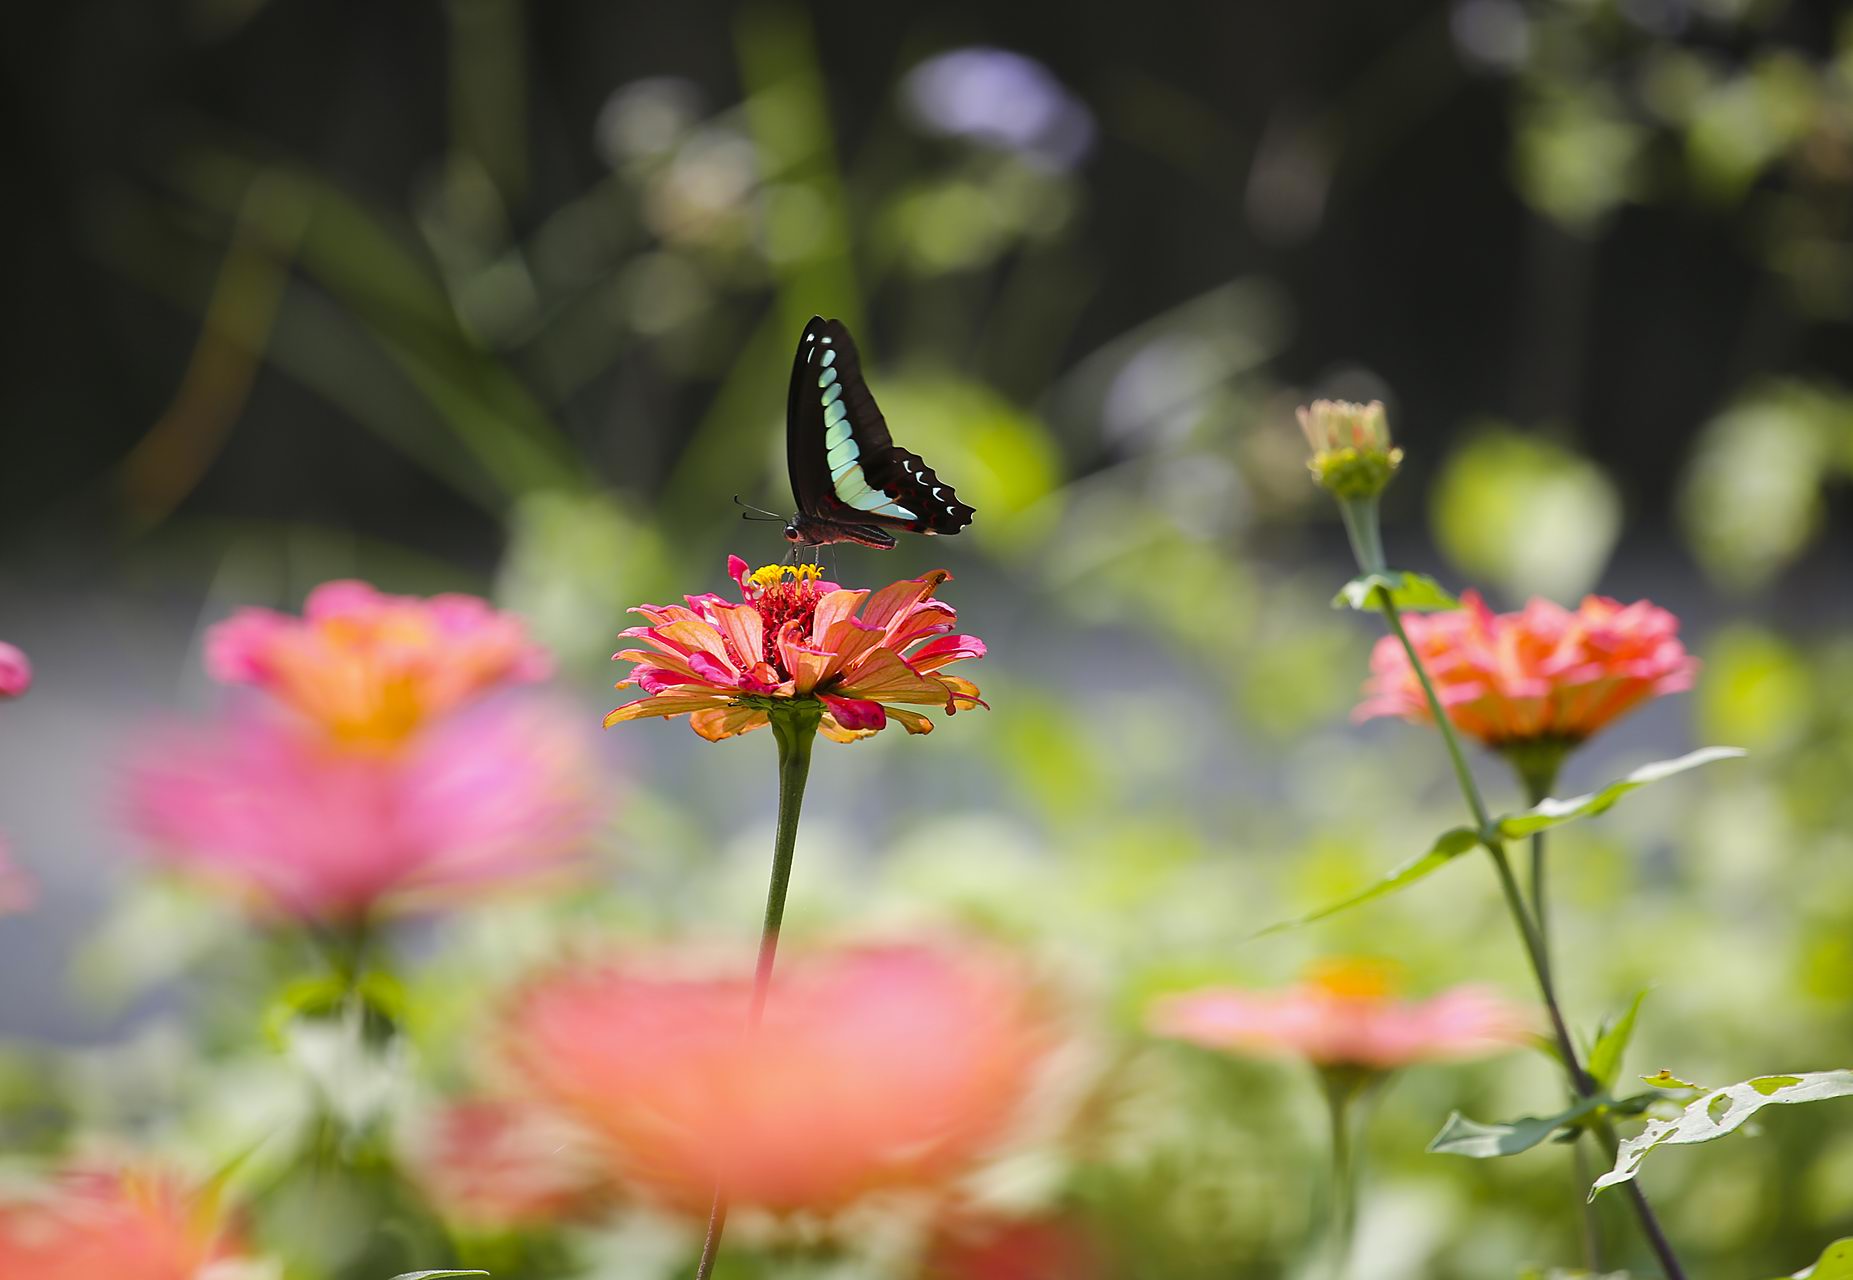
(1544, 673)
(874, 1067)
(500, 793)
(370, 668)
(1014, 1249)
(797, 636)
(1344, 1014)
(15, 671)
(113, 1224)
(502, 1164)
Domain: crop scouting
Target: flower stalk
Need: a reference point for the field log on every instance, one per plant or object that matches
(794, 727)
(1530, 933)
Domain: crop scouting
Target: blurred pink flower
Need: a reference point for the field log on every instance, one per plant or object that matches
(1543, 673)
(113, 1224)
(796, 636)
(499, 793)
(371, 668)
(19, 892)
(502, 1164)
(1344, 1015)
(15, 671)
(990, 1248)
(875, 1067)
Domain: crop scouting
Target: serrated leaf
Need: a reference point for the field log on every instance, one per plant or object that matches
(1717, 1112)
(435, 1275)
(1835, 1263)
(1553, 812)
(1461, 1136)
(1606, 1054)
(1413, 592)
(1447, 847)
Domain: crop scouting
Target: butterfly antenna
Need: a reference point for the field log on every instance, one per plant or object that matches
(751, 512)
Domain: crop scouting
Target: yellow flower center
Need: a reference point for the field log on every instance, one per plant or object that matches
(773, 574)
(1355, 978)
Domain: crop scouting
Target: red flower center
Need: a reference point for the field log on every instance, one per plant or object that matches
(782, 594)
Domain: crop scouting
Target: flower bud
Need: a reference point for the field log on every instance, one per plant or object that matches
(1352, 454)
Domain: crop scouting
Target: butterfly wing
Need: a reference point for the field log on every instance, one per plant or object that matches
(846, 469)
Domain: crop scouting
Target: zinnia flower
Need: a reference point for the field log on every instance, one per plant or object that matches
(1543, 674)
(19, 892)
(501, 1164)
(15, 671)
(873, 1068)
(303, 828)
(113, 1225)
(797, 636)
(369, 668)
(1014, 1249)
(1344, 1015)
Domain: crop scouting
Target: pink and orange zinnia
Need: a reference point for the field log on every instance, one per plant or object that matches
(372, 769)
(112, 1224)
(875, 1068)
(866, 656)
(1542, 674)
(1344, 1015)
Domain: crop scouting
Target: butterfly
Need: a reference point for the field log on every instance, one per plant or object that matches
(852, 482)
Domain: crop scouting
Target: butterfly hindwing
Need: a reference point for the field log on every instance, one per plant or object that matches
(846, 471)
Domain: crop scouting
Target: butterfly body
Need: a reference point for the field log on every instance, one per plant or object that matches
(851, 481)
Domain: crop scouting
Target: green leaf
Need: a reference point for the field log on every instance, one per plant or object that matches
(1717, 1112)
(1447, 847)
(1835, 1263)
(435, 1275)
(1553, 812)
(1664, 1079)
(1611, 1044)
(1413, 592)
(1461, 1136)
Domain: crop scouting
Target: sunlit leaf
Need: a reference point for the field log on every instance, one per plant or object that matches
(1553, 812)
(1712, 1115)
(1414, 592)
(1447, 847)
(1664, 1079)
(1606, 1054)
(1461, 1136)
(1835, 1263)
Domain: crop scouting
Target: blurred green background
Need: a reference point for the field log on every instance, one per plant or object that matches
(499, 297)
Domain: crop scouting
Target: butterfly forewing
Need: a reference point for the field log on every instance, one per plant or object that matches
(847, 473)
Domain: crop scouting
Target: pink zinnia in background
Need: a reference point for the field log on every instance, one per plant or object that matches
(875, 1067)
(499, 1164)
(369, 668)
(112, 1224)
(18, 890)
(796, 636)
(15, 671)
(1344, 1014)
(1543, 673)
(503, 792)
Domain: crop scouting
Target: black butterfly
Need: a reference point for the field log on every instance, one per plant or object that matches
(853, 483)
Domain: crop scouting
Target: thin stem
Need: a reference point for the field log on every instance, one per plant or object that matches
(1341, 1228)
(1592, 1227)
(1365, 533)
(1529, 931)
(795, 730)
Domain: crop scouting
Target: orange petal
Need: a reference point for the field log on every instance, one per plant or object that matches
(831, 610)
(664, 705)
(912, 721)
(893, 600)
(717, 723)
(883, 677)
(742, 625)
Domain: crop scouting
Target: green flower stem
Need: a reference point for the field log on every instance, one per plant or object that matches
(794, 727)
(1365, 532)
(1524, 919)
(1343, 1089)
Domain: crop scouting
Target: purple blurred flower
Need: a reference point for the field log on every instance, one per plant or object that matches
(1000, 98)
